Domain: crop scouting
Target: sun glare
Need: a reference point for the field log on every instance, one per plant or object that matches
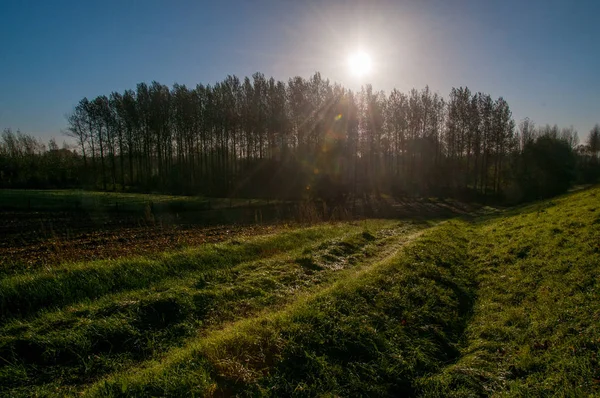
(360, 63)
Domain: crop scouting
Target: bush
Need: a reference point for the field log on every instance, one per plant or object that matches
(547, 168)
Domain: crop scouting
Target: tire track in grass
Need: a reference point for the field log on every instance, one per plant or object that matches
(202, 300)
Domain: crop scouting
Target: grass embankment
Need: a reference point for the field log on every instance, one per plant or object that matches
(74, 323)
(536, 324)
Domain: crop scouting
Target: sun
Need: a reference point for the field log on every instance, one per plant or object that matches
(360, 63)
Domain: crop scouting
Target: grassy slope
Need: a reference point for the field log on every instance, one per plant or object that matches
(500, 306)
(536, 324)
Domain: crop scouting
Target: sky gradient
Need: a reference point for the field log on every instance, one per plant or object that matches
(542, 56)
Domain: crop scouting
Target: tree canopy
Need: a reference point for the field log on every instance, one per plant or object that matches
(303, 138)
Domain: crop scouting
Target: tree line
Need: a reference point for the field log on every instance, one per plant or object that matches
(304, 138)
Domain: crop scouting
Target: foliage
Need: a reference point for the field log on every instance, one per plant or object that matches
(547, 168)
(261, 138)
(26, 163)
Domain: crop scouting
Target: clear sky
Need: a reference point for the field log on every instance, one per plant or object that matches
(542, 56)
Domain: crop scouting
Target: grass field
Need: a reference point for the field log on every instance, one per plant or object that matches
(32, 199)
(500, 305)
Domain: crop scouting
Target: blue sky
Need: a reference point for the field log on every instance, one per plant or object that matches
(543, 57)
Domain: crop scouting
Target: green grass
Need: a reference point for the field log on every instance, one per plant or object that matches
(64, 284)
(91, 329)
(536, 324)
(369, 334)
(501, 305)
(68, 200)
